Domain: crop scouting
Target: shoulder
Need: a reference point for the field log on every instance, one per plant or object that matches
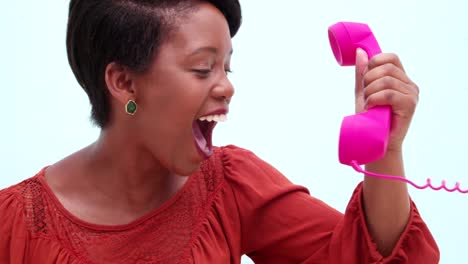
(15, 203)
(230, 152)
(11, 199)
(234, 158)
(11, 218)
(248, 179)
(242, 165)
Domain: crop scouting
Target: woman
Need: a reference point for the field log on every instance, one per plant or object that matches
(153, 189)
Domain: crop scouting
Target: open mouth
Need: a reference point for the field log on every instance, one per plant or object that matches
(202, 130)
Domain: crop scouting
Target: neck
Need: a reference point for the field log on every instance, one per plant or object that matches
(111, 182)
(129, 172)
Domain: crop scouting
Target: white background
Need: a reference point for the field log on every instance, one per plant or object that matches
(290, 96)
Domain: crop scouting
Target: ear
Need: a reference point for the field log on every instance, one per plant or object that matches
(119, 83)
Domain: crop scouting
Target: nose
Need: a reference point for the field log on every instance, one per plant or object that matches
(223, 89)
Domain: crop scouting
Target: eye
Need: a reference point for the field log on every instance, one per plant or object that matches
(202, 72)
(228, 71)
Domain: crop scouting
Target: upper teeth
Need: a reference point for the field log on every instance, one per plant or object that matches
(215, 118)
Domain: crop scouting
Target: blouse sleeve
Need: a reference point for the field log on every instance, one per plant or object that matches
(13, 234)
(282, 223)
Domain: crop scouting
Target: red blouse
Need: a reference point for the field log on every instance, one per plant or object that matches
(234, 204)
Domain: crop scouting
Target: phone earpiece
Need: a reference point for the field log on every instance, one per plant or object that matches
(346, 37)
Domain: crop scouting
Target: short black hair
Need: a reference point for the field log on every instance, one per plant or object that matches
(128, 32)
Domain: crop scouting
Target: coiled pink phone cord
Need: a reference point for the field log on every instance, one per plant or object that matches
(443, 185)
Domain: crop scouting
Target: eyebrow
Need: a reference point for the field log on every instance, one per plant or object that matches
(208, 49)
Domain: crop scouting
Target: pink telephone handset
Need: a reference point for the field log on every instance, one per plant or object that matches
(364, 136)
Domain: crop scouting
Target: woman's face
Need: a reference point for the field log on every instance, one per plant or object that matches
(186, 81)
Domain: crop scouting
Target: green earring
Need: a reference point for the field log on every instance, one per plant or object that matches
(131, 107)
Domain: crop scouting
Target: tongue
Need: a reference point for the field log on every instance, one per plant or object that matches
(201, 144)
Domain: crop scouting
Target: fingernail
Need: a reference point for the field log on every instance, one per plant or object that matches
(360, 50)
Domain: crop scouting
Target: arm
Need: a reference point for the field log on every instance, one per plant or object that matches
(281, 223)
(386, 203)
(383, 81)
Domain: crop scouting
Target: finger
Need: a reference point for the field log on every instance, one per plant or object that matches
(384, 58)
(389, 83)
(394, 99)
(361, 69)
(387, 69)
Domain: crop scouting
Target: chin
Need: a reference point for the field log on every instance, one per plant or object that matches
(187, 170)
(187, 166)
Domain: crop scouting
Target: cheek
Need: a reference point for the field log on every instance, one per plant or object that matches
(173, 87)
(168, 105)
(168, 136)
(165, 120)
(165, 126)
